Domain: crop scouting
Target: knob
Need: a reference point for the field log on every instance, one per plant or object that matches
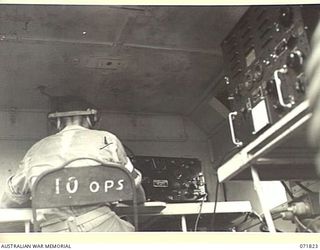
(295, 60)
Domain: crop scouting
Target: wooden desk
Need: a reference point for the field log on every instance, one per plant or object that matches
(24, 215)
(161, 208)
(16, 215)
(184, 209)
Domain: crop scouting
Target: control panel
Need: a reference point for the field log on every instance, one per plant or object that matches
(264, 58)
(171, 179)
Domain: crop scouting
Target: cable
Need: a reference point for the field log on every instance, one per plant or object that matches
(258, 216)
(296, 219)
(312, 222)
(199, 214)
(264, 227)
(217, 186)
(287, 190)
(215, 205)
(252, 215)
(303, 187)
(132, 155)
(245, 218)
(224, 191)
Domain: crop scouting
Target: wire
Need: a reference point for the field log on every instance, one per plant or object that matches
(287, 190)
(218, 184)
(303, 187)
(132, 155)
(258, 216)
(215, 205)
(312, 222)
(224, 191)
(263, 227)
(245, 218)
(199, 214)
(252, 215)
(296, 219)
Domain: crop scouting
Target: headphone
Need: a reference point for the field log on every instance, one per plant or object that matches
(91, 116)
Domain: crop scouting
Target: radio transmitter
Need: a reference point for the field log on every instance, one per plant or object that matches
(171, 179)
(264, 58)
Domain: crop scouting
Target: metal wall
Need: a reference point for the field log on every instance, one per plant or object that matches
(144, 134)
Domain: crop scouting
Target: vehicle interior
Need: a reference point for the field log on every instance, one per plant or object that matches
(198, 96)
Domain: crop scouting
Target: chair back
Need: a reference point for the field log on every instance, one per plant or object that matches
(66, 186)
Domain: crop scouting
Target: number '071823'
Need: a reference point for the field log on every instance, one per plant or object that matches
(309, 246)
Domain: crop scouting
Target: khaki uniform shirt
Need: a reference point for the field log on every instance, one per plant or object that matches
(53, 151)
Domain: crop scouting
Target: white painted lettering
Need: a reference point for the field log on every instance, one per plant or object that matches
(57, 186)
(108, 184)
(94, 187)
(120, 183)
(75, 184)
(72, 185)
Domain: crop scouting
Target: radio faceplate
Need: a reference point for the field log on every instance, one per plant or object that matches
(264, 59)
(171, 179)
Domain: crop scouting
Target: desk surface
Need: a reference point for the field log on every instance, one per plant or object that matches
(148, 209)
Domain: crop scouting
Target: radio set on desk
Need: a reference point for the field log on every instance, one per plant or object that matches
(171, 179)
(264, 57)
